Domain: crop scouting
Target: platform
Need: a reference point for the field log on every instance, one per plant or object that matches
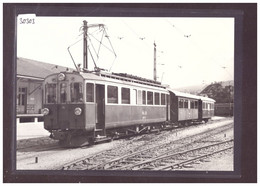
(31, 130)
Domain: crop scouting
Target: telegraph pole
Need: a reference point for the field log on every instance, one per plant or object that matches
(85, 45)
(154, 64)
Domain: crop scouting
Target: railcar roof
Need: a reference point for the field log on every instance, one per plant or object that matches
(207, 99)
(182, 94)
(186, 95)
(116, 78)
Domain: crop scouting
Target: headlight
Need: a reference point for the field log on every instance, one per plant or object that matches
(77, 111)
(45, 111)
(61, 77)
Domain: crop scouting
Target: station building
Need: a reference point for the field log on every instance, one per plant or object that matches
(29, 77)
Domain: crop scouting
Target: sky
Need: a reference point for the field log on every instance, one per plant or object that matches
(190, 51)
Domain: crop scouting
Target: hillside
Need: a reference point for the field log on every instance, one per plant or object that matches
(221, 92)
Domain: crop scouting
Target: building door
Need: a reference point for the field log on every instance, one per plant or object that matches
(22, 100)
(100, 109)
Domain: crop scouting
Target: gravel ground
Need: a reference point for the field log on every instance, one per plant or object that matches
(51, 159)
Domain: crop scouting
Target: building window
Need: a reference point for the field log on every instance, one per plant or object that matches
(144, 97)
(50, 92)
(163, 99)
(156, 98)
(22, 96)
(149, 98)
(90, 92)
(125, 95)
(112, 94)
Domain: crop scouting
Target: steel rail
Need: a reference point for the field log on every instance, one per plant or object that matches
(100, 166)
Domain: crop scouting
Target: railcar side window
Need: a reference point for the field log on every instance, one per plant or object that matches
(163, 99)
(76, 92)
(50, 91)
(63, 92)
(112, 94)
(125, 95)
(149, 98)
(139, 97)
(134, 97)
(185, 103)
(156, 98)
(144, 97)
(90, 92)
(181, 103)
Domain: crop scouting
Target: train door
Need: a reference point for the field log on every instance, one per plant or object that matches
(100, 109)
(63, 109)
(200, 110)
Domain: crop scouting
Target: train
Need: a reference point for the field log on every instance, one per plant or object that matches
(83, 107)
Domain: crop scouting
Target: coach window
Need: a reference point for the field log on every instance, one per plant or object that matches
(149, 98)
(180, 103)
(50, 93)
(125, 95)
(156, 98)
(162, 99)
(76, 92)
(112, 94)
(196, 104)
(144, 97)
(185, 103)
(192, 104)
(90, 92)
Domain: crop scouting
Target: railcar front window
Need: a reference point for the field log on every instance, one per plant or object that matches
(90, 92)
(51, 93)
(112, 94)
(76, 92)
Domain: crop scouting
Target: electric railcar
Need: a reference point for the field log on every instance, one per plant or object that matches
(81, 107)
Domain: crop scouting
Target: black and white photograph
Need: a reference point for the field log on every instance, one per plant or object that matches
(128, 94)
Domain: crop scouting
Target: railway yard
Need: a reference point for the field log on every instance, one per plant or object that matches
(203, 147)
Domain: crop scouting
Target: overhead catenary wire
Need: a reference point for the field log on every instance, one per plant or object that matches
(196, 46)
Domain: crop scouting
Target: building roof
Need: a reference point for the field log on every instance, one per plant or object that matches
(36, 69)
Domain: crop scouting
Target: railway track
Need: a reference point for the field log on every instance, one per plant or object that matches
(131, 155)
